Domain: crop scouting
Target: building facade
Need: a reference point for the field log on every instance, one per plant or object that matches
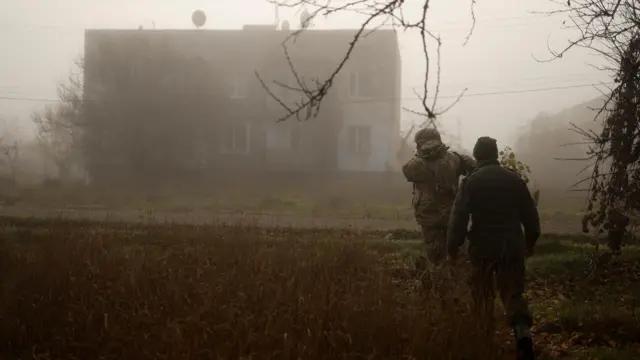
(196, 96)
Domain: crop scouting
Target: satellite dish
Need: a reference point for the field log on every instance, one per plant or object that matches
(305, 19)
(198, 18)
(285, 25)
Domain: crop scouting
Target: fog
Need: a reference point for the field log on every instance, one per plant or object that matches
(507, 86)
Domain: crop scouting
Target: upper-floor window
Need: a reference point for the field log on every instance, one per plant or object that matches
(284, 88)
(359, 139)
(239, 88)
(283, 85)
(361, 84)
(235, 138)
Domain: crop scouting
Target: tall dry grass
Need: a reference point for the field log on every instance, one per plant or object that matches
(74, 290)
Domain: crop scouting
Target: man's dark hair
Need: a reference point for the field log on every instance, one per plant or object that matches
(486, 148)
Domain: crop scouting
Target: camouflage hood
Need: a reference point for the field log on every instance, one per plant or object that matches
(431, 151)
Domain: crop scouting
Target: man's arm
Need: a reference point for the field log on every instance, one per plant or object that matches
(529, 217)
(414, 170)
(467, 165)
(458, 220)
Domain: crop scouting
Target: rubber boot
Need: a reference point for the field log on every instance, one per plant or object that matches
(524, 343)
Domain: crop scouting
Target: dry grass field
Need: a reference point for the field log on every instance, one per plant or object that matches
(80, 289)
(279, 274)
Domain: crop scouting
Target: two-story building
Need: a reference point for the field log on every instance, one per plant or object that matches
(357, 128)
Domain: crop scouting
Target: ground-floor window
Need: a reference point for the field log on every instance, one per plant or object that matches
(235, 139)
(359, 139)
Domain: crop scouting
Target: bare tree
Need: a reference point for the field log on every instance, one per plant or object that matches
(58, 127)
(71, 93)
(611, 28)
(56, 136)
(374, 14)
(11, 154)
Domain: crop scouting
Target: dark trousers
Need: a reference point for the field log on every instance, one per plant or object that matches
(508, 274)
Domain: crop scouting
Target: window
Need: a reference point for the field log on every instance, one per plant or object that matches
(283, 136)
(278, 136)
(281, 86)
(239, 87)
(284, 89)
(361, 84)
(235, 139)
(359, 139)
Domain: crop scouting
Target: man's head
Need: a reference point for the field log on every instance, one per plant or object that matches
(486, 148)
(427, 139)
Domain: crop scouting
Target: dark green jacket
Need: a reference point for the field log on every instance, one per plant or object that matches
(500, 205)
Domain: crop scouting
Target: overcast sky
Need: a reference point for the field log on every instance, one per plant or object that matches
(506, 85)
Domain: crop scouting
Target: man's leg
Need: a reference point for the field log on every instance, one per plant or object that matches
(435, 238)
(483, 292)
(510, 278)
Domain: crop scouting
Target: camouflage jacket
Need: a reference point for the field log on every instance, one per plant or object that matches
(435, 179)
(500, 205)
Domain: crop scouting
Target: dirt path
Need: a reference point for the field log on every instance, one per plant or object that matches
(260, 219)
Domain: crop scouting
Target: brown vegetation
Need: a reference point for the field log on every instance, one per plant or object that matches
(75, 290)
(89, 290)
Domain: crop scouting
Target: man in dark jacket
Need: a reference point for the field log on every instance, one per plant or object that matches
(498, 201)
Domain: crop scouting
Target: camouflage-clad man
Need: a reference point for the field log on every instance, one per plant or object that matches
(434, 172)
(499, 202)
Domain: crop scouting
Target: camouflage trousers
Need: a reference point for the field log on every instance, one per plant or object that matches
(508, 274)
(433, 218)
(435, 239)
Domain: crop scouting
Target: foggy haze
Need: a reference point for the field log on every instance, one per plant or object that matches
(225, 177)
(506, 86)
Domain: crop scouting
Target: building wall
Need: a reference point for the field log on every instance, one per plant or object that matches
(236, 56)
(376, 117)
(378, 109)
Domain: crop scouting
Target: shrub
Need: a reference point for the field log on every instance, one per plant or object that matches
(508, 159)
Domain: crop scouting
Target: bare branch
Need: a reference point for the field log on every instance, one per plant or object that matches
(457, 100)
(610, 29)
(375, 14)
(311, 105)
(473, 25)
